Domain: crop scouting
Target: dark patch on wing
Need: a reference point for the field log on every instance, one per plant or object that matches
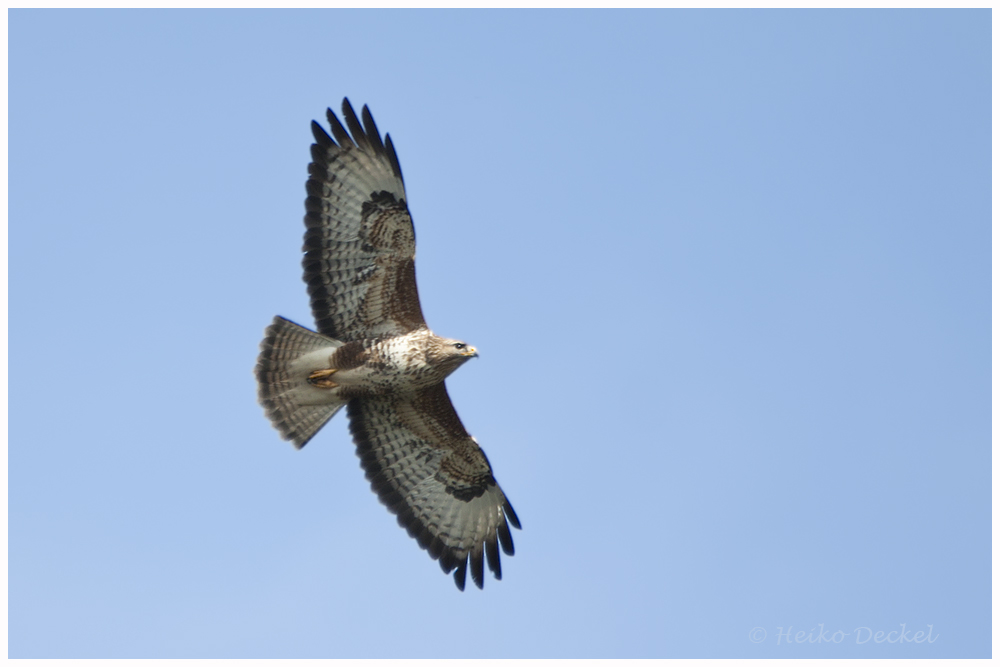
(407, 443)
(405, 303)
(465, 470)
(436, 406)
(359, 242)
(379, 201)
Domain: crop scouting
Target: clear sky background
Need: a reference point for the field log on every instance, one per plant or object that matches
(728, 273)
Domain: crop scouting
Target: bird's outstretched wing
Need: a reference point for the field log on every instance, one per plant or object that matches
(431, 473)
(359, 243)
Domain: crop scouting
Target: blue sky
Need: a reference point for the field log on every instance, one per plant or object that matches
(728, 274)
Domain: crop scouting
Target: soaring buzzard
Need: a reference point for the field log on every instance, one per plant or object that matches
(375, 354)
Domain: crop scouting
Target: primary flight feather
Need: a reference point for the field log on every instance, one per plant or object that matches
(375, 354)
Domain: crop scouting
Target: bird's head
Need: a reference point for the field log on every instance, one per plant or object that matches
(463, 349)
(451, 353)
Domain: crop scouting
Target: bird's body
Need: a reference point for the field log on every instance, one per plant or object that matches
(334, 372)
(375, 354)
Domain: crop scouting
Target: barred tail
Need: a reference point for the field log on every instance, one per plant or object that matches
(295, 407)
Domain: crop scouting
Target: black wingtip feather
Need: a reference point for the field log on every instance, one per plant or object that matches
(391, 152)
(511, 514)
(506, 541)
(371, 130)
(476, 561)
(354, 125)
(493, 557)
(322, 138)
(339, 133)
(460, 575)
(447, 562)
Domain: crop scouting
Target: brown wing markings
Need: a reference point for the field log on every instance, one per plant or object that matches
(465, 470)
(359, 241)
(400, 292)
(387, 229)
(394, 436)
(370, 437)
(386, 224)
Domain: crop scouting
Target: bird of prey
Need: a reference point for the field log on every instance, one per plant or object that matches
(374, 353)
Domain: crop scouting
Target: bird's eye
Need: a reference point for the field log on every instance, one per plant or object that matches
(459, 346)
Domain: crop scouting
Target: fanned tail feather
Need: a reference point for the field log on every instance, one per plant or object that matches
(296, 408)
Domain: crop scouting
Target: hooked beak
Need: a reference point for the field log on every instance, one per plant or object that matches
(470, 352)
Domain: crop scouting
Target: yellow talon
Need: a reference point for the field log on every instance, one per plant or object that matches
(321, 378)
